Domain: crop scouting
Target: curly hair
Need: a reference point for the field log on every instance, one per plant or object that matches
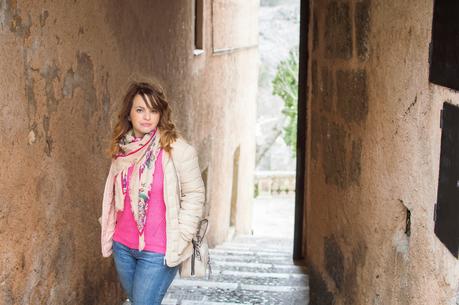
(154, 93)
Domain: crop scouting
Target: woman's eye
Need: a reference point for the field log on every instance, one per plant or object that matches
(139, 110)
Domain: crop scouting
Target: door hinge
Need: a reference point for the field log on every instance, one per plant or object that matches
(441, 118)
(435, 213)
(430, 52)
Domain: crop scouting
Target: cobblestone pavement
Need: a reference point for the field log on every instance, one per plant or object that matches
(251, 270)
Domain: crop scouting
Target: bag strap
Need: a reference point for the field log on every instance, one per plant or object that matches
(200, 236)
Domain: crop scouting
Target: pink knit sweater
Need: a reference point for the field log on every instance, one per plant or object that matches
(155, 228)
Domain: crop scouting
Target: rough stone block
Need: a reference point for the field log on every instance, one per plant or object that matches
(314, 81)
(354, 164)
(334, 261)
(326, 89)
(315, 135)
(315, 104)
(352, 95)
(341, 155)
(315, 31)
(362, 27)
(319, 293)
(338, 31)
(334, 153)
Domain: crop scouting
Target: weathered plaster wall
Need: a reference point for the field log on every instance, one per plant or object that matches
(373, 155)
(225, 79)
(65, 66)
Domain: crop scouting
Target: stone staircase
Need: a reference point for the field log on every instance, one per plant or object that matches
(247, 270)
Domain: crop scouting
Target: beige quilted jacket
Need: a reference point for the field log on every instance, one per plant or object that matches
(184, 198)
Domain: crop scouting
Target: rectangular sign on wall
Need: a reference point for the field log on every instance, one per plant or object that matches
(444, 47)
(446, 213)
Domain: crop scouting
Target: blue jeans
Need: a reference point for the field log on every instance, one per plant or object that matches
(143, 274)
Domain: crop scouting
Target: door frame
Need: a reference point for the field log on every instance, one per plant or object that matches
(299, 240)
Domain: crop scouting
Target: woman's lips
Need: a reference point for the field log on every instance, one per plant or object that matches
(145, 125)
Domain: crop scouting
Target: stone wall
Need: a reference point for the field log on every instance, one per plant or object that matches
(373, 157)
(65, 67)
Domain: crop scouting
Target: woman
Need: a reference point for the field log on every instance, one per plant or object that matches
(153, 197)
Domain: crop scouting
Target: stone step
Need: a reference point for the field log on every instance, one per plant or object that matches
(233, 251)
(234, 286)
(203, 283)
(167, 301)
(245, 294)
(260, 260)
(227, 256)
(224, 280)
(259, 274)
(254, 247)
(218, 250)
(252, 266)
(185, 302)
(243, 264)
(236, 275)
(273, 252)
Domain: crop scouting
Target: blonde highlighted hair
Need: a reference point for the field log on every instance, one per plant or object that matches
(149, 92)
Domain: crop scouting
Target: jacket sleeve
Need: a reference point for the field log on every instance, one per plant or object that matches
(192, 195)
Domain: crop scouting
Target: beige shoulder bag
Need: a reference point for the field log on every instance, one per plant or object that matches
(198, 264)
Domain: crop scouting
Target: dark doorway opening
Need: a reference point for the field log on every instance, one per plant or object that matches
(299, 240)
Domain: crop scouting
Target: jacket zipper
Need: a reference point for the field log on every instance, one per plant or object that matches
(164, 192)
(164, 198)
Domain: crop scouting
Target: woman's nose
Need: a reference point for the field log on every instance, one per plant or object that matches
(147, 115)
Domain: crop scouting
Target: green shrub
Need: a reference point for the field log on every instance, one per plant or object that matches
(285, 85)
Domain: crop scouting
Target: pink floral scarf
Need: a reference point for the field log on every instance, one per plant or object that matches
(140, 154)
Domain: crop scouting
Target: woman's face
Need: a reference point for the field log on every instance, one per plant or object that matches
(143, 119)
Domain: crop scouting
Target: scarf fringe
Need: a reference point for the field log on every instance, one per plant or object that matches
(141, 241)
